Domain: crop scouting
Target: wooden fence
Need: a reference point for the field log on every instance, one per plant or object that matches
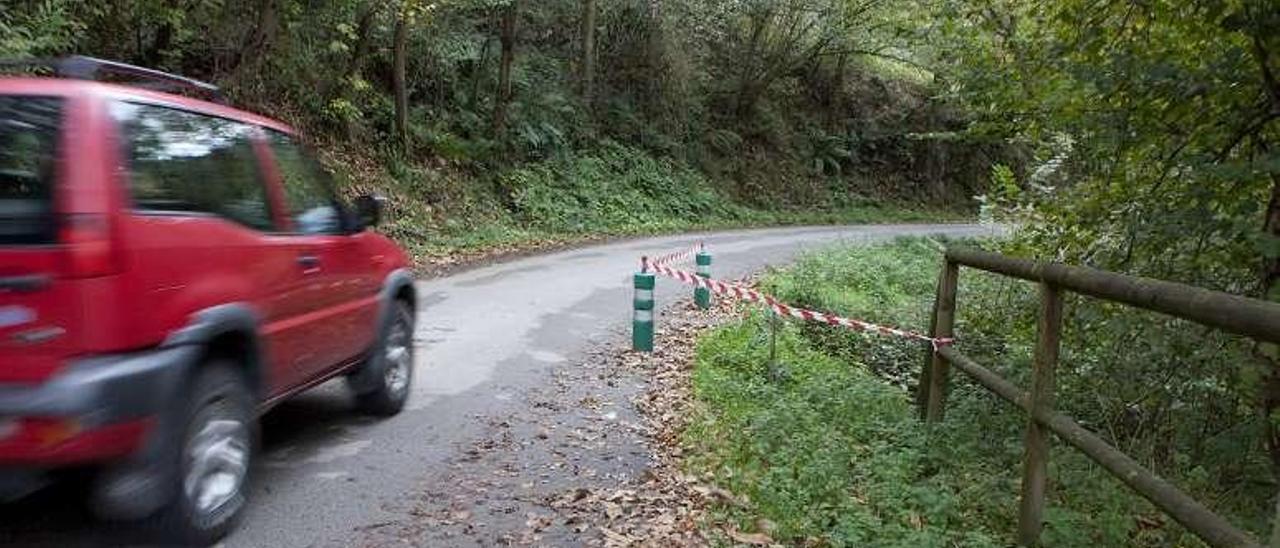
(1250, 317)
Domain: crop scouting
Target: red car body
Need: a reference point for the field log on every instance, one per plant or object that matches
(105, 317)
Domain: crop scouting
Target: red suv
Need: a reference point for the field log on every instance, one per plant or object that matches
(170, 269)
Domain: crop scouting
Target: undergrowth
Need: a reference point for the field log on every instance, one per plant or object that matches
(825, 444)
(612, 190)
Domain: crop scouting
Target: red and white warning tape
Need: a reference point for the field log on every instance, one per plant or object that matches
(782, 309)
(677, 256)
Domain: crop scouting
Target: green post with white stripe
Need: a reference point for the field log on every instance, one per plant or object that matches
(642, 315)
(702, 295)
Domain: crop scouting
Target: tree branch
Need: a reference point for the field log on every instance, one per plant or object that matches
(881, 54)
(1246, 131)
(1269, 78)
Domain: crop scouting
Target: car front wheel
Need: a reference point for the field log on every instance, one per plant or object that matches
(390, 365)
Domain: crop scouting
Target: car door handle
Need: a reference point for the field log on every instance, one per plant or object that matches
(24, 284)
(309, 262)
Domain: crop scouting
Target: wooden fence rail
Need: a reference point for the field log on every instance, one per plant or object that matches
(1251, 317)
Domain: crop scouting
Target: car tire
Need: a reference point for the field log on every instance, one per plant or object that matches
(390, 365)
(213, 460)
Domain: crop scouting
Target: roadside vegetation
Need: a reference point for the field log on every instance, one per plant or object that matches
(614, 191)
(1139, 137)
(826, 446)
(493, 123)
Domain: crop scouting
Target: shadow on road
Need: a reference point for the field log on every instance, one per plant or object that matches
(57, 515)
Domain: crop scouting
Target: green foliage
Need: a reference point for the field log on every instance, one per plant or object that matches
(1148, 134)
(880, 287)
(662, 144)
(831, 453)
(800, 448)
(728, 87)
(612, 188)
(1149, 128)
(45, 26)
(830, 152)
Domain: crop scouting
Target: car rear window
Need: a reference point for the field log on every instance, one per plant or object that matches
(28, 165)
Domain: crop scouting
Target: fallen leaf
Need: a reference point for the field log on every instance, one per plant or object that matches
(765, 526)
(613, 538)
(754, 539)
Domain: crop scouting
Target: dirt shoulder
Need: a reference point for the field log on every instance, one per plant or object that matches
(592, 460)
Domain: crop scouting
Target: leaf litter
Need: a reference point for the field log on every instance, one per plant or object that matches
(592, 459)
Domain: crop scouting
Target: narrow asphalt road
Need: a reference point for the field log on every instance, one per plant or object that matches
(485, 336)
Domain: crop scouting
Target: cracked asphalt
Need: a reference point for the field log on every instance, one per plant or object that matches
(497, 345)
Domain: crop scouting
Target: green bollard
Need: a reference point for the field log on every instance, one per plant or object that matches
(642, 318)
(702, 295)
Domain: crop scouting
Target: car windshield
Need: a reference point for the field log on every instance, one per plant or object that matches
(28, 159)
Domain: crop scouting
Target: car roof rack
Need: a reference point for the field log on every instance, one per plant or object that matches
(92, 68)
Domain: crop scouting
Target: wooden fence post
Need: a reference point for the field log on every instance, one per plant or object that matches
(933, 378)
(1275, 527)
(1035, 465)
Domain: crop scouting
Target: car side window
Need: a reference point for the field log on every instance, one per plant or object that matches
(184, 162)
(29, 131)
(308, 188)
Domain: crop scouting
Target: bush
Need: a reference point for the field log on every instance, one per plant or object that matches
(610, 188)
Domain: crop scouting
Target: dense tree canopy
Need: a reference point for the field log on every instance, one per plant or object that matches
(814, 86)
(1151, 125)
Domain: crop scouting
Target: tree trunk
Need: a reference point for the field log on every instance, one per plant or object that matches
(649, 90)
(161, 44)
(588, 64)
(477, 73)
(746, 99)
(355, 64)
(835, 93)
(364, 39)
(398, 81)
(938, 153)
(655, 32)
(837, 88)
(508, 39)
(1270, 353)
(264, 32)
(163, 40)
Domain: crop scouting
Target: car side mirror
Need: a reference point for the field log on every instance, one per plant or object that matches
(369, 209)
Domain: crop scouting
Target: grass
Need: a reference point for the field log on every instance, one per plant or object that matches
(826, 445)
(828, 454)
